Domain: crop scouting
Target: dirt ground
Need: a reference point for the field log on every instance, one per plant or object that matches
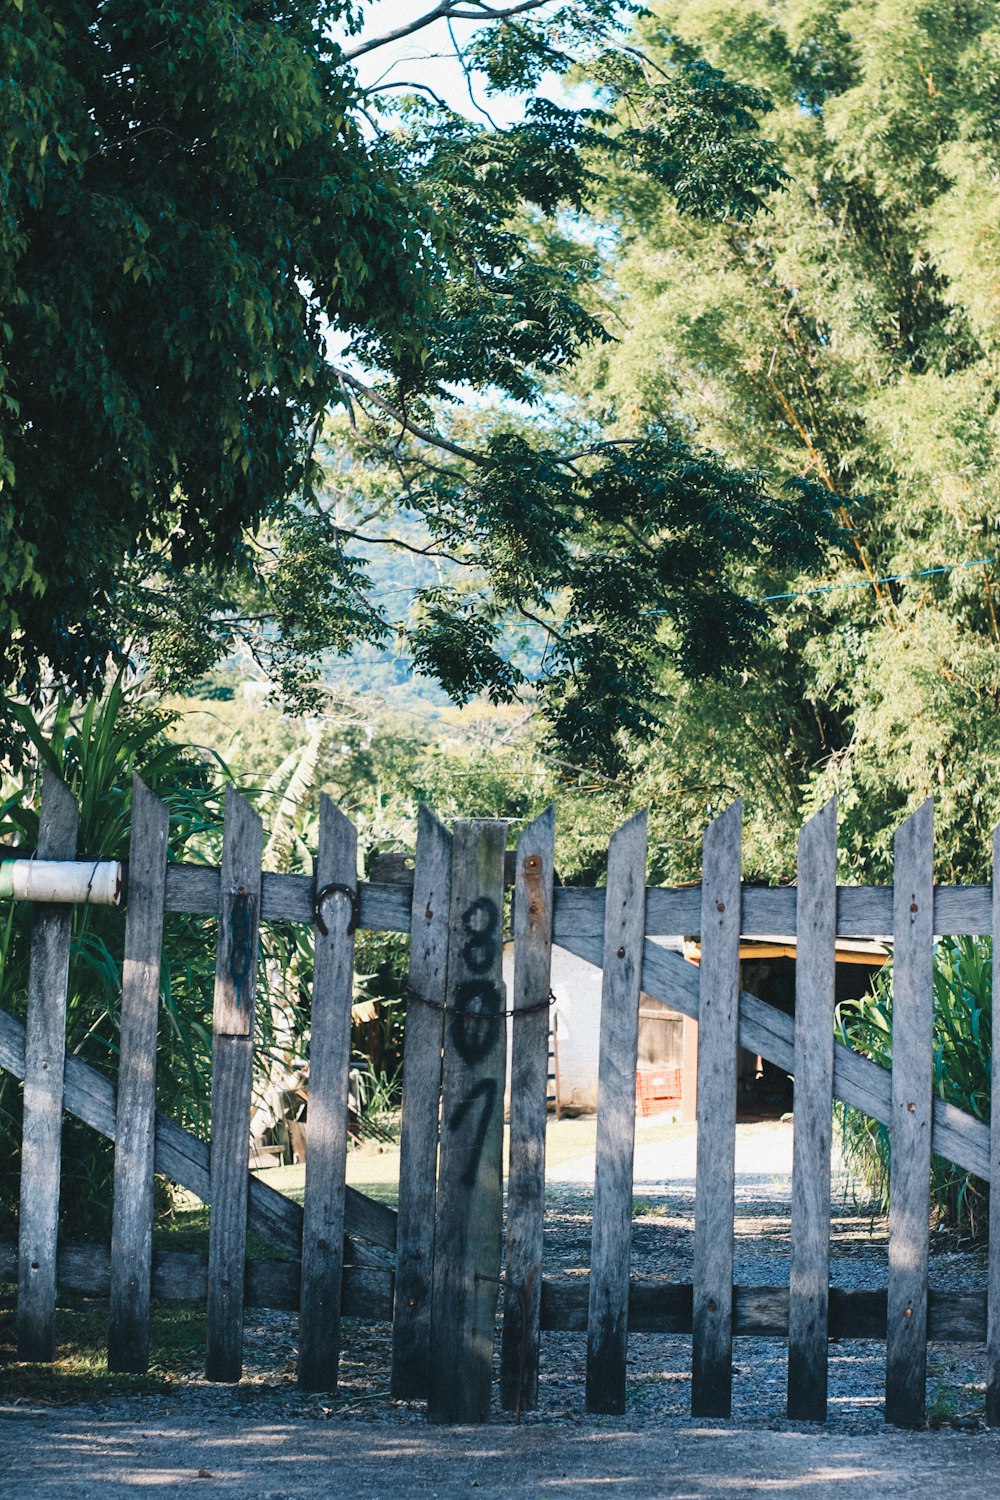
(264, 1440)
(84, 1453)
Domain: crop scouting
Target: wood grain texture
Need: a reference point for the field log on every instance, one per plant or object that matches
(715, 1172)
(329, 1066)
(579, 911)
(658, 1305)
(862, 911)
(467, 1236)
(611, 1237)
(44, 1069)
(418, 1141)
(287, 898)
(185, 1159)
(910, 1130)
(958, 1136)
(135, 1129)
(232, 1080)
(993, 1283)
(815, 986)
(533, 886)
(180, 1275)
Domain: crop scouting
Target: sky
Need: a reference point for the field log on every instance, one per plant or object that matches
(428, 57)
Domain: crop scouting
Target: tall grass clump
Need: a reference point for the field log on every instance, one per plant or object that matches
(963, 974)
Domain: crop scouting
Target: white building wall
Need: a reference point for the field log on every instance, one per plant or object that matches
(577, 988)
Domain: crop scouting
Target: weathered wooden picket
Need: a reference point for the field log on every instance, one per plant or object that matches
(437, 1268)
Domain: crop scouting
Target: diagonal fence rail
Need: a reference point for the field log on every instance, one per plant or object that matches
(443, 1289)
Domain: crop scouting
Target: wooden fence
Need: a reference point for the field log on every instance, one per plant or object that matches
(437, 1268)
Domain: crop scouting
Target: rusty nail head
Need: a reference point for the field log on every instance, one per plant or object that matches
(720, 906)
(532, 864)
(321, 1244)
(621, 952)
(713, 1306)
(912, 1108)
(428, 914)
(914, 906)
(411, 1301)
(907, 1312)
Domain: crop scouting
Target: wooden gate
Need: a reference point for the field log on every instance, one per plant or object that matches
(440, 1267)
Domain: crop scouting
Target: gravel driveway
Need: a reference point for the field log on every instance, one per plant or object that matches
(264, 1438)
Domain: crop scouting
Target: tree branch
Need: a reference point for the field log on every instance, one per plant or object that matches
(446, 10)
(423, 433)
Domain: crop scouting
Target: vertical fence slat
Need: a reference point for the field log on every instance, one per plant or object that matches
(993, 1275)
(232, 1080)
(715, 1181)
(329, 1066)
(815, 986)
(528, 1112)
(912, 1097)
(418, 1139)
(132, 1218)
(45, 1050)
(611, 1243)
(470, 1186)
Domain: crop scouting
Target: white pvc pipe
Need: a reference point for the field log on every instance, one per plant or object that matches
(96, 882)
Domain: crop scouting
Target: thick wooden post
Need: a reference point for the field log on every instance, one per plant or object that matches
(232, 1080)
(45, 1050)
(815, 977)
(418, 1140)
(470, 1186)
(910, 1130)
(993, 1282)
(132, 1220)
(715, 1181)
(528, 1112)
(329, 1067)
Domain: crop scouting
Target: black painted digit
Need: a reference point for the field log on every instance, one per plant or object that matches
(485, 1089)
(481, 949)
(473, 1026)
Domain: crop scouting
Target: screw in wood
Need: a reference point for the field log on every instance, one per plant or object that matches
(720, 906)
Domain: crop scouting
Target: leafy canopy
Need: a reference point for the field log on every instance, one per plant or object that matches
(849, 337)
(199, 201)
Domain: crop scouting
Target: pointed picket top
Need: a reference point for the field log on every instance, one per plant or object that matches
(727, 825)
(820, 819)
(915, 829)
(625, 845)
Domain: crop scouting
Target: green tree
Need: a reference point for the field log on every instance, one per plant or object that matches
(850, 337)
(196, 199)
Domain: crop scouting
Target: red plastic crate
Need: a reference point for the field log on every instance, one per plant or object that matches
(656, 1090)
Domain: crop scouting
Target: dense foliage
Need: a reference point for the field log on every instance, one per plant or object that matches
(850, 336)
(962, 1052)
(199, 201)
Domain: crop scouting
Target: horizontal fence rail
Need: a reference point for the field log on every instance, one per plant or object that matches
(442, 1287)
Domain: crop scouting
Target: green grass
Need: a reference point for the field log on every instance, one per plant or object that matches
(80, 1371)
